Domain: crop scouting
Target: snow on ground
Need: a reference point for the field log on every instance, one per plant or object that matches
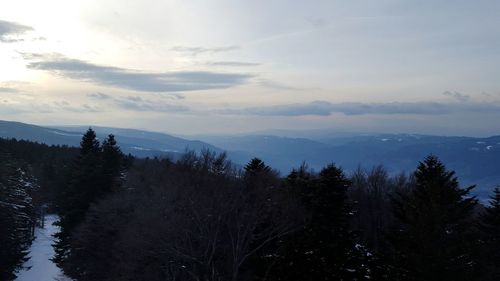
(140, 148)
(66, 134)
(39, 267)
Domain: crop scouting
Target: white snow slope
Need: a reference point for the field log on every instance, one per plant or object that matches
(39, 267)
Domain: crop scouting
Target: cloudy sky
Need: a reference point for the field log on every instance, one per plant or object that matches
(198, 66)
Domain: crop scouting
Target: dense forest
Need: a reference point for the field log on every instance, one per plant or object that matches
(200, 217)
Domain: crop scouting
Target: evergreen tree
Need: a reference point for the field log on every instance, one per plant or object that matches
(323, 249)
(112, 164)
(17, 217)
(94, 174)
(490, 239)
(89, 145)
(256, 166)
(260, 176)
(85, 178)
(433, 239)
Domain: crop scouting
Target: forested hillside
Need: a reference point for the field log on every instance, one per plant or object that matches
(200, 217)
(476, 160)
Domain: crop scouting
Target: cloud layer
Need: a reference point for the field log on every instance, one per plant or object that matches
(8, 90)
(194, 51)
(324, 108)
(456, 95)
(140, 104)
(232, 63)
(9, 31)
(136, 103)
(134, 80)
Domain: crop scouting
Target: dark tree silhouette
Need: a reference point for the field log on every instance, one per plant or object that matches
(113, 164)
(489, 225)
(433, 239)
(323, 249)
(17, 217)
(92, 175)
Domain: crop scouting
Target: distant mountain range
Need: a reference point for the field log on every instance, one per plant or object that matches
(476, 160)
(136, 142)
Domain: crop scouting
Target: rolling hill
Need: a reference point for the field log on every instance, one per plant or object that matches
(475, 160)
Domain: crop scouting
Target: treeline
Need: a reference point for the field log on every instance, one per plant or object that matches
(202, 218)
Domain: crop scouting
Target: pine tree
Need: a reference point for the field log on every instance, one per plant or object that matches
(112, 164)
(490, 239)
(256, 165)
(17, 217)
(433, 238)
(258, 175)
(85, 182)
(89, 144)
(323, 249)
(95, 174)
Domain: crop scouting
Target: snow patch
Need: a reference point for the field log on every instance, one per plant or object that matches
(140, 148)
(169, 150)
(40, 267)
(65, 134)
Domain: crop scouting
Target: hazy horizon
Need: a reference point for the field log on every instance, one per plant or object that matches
(279, 132)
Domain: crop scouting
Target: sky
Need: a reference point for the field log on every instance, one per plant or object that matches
(225, 67)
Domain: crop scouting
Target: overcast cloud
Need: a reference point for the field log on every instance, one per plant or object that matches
(194, 51)
(232, 63)
(324, 108)
(8, 90)
(137, 103)
(179, 81)
(10, 31)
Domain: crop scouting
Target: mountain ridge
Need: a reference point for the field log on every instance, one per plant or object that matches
(476, 160)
